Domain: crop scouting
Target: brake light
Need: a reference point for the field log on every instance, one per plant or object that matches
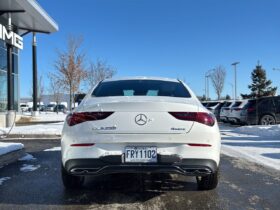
(82, 145)
(200, 117)
(250, 109)
(80, 117)
(199, 145)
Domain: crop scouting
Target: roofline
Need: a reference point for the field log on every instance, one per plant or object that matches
(142, 78)
(44, 14)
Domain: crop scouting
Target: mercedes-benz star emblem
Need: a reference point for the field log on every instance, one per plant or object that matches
(141, 119)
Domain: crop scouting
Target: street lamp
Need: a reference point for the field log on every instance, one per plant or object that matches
(231, 89)
(235, 87)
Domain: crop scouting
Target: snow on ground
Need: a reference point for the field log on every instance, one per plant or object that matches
(27, 157)
(27, 167)
(40, 129)
(3, 179)
(47, 116)
(9, 147)
(260, 144)
(53, 149)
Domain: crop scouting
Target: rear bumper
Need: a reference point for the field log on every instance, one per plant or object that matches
(249, 120)
(166, 164)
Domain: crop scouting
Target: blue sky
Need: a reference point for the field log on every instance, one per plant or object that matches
(167, 38)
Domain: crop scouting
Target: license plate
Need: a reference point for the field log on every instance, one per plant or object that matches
(140, 154)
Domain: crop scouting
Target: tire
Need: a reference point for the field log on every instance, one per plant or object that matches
(208, 182)
(267, 120)
(70, 181)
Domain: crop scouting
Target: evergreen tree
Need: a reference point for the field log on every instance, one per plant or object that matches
(228, 97)
(260, 85)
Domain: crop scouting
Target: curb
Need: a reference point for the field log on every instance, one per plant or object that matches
(11, 157)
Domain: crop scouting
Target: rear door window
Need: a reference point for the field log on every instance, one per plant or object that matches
(266, 104)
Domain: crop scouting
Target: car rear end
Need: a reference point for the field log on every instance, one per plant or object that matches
(141, 132)
(225, 110)
(248, 114)
(235, 111)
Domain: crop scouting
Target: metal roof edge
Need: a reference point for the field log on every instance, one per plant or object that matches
(42, 12)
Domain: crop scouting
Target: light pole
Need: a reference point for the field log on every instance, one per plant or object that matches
(231, 89)
(235, 87)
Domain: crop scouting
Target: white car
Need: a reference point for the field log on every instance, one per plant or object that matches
(225, 110)
(50, 107)
(235, 111)
(141, 125)
(24, 107)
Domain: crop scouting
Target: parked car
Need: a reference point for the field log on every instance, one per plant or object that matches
(263, 111)
(24, 107)
(41, 108)
(225, 111)
(235, 111)
(215, 108)
(204, 104)
(50, 107)
(140, 125)
(60, 108)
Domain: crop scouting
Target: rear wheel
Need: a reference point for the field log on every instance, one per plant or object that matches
(267, 120)
(208, 182)
(70, 181)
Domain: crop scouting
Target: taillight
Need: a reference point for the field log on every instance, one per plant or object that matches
(80, 117)
(250, 109)
(82, 145)
(200, 145)
(201, 117)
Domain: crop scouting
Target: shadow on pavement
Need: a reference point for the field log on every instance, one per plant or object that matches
(126, 188)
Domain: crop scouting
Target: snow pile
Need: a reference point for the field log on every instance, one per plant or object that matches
(27, 157)
(9, 147)
(264, 130)
(260, 144)
(27, 168)
(46, 116)
(4, 179)
(41, 129)
(53, 149)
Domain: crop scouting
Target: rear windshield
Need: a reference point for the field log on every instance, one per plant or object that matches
(141, 88)
(212, 104)
(251, 103)
(238, 103)
(227, 104)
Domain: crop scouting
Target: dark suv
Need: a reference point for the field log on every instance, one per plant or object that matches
(263, 111)
(60, 108)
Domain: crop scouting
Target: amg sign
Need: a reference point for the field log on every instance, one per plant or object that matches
(11, 37)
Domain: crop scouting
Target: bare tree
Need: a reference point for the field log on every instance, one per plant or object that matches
(218, 76)
(55, 88)
(99, 71)
(70, 67)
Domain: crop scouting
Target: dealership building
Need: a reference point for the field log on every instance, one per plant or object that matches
(18, 18)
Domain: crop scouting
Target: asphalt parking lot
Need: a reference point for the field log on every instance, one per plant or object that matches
(243, 185)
